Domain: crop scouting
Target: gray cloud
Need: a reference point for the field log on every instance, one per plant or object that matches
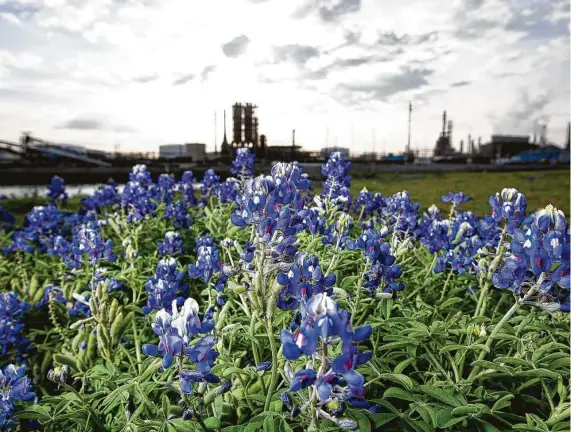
(460, 84)
(383, 88)
(92, 123)
(328, 10)
(525, 112)
(391, 38)
(183, 79)
(298, 54)
(207, 71)
(143, 79)
(236, 47)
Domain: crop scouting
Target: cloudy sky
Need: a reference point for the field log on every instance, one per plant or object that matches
(139, 73)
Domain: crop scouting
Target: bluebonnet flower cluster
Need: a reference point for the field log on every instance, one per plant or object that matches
(56, 191)
(164, 286)
(166, 186)
(106, 195)
(337, 233)
(312, 220)
(12, 311)
(6, 218)
(323, 326)
(209, 185)
(53, 292)
(177, 332)
(400, 213)
(81, 306)
(100, 278)
(187, 188)
(40, 224)
(208, 264)
(14, 386)
(304, 279)
(540, 247)
(89, 242)
(381, 264)
(336, 186)
(510, 207)
(178, 213)
(455, 198)
(243, 164)
(228, 190)
(270, 203)
(172, 245)
(367, 203)
(139, 195)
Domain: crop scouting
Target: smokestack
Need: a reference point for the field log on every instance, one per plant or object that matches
(293, 137)
(568, 139)
(444, 123)
(461, 146)
(479, 144)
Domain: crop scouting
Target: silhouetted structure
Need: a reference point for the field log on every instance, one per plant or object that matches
(225, 148)
(263, 147)
(443, 145)
(568, 138)
(245, 127)
(237, 125)
(506, 145)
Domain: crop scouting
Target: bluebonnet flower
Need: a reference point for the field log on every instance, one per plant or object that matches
(187, 186)
(164, 286)
(177, 332)
(381, 267)
(56, 191)
(166, 187)
(14, 386)
(208, 263)
(12, 311)
(243, 164)
(455, 198)
(228, 191)
(510, 206)
(367, 203)
(106, 195)
(178, 213)
(89, 242)
(172, 245)
(7, 219)
(210, 184)
(325, 325)
(139, 194)
(336, 186)
(400, 214)
(59, 374)
(100, 278)
(55, 293)
(539, 251)
(312, 220)
(337, 233)
(81, 306)
(304, 279)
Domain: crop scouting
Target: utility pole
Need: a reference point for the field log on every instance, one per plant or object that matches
(409, 123)
(215, 136)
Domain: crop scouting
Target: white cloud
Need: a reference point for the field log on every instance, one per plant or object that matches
(479, 60)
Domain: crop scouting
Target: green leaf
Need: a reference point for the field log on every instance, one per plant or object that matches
(454, 347)
(503, 402)
(450, 302)
(443, 396)
(445, 419)
(403, 365)
(269, 424)
(487, 427)
(540, 373)
(399, 379)
(512, 360)
(362, 420)
(212, 422)
(490, 365)
(234, 429)
(398, 393)
(380, 419)
(466, 410)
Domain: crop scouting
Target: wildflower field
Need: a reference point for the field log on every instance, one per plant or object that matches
(268, 304)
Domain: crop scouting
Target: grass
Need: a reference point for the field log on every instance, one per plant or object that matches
(540, 188)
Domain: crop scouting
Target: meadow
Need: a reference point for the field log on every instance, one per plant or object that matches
(274, 303)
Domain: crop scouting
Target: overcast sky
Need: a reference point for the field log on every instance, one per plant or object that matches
(140, 73)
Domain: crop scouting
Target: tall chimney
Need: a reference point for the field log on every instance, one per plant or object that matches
(461, 146)
(568, 138)
(444, 123)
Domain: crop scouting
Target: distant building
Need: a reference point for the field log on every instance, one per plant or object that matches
(194, 151)
(326, 151)
(506, 146)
